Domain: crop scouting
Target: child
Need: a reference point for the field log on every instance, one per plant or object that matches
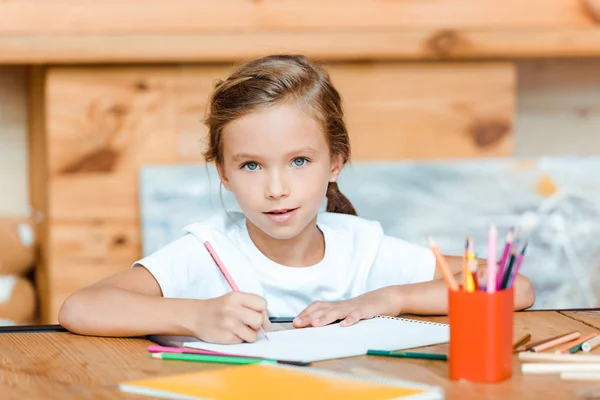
(278, 139)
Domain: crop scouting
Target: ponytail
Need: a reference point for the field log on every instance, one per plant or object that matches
(337, 202)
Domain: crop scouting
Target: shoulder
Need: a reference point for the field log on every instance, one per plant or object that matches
(223, 224)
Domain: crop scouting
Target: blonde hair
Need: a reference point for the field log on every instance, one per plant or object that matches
(272, 80)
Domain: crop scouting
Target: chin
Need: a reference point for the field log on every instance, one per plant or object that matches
(283, 232)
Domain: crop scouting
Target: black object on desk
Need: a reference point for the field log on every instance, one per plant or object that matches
(32, 328)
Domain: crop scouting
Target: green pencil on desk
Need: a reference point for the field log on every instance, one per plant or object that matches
(210, 358)
(408, 354)
(215, 358)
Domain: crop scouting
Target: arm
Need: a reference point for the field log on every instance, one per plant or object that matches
(432, 297)
(131, 304)
(127, 304)
(425, 298)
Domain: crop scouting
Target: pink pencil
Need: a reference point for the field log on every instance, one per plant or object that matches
(491, 261)
(226, 274)
(504, 259)
(178, 350)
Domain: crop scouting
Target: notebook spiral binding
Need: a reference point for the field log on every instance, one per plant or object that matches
(436, 391)
(412, 320)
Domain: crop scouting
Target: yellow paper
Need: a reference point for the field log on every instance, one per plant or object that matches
(267, 382)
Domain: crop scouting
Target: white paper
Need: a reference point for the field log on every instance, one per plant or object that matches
(334, 341)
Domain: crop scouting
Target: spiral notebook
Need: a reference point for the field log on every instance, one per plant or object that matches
(334, 341)
(268, 382)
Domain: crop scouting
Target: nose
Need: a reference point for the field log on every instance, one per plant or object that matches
(277, 186)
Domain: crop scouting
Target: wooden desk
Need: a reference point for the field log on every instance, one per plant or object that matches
(63, 365)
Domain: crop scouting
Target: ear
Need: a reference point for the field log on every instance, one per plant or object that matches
(223, 176)
(337, 163)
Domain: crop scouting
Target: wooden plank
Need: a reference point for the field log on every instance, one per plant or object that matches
(69, 365)
(156, 16)
(325, 45)
(100, 242)
(556, 97)
(425, 111)
(38, 183)
(103, 125)
(588, 317)
(13, 142)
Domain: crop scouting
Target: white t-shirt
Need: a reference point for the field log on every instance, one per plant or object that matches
(358, 258)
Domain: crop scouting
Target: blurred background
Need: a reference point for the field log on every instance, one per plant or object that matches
(459, 111)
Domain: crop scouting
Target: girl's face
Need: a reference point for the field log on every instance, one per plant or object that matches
(277, 164)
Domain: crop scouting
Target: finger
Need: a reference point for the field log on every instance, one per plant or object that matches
(250, 318)
(306, 319)
(245, 333)
(298, 321)
(330, 316)
(352, 318)
(266, 324)
(313, 318)
(312, 307)
(253, 302)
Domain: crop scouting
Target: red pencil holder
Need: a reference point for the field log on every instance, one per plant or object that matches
(481, 335)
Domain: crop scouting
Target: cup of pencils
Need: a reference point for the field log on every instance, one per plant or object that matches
(480, 310)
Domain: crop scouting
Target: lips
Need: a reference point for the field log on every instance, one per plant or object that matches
(281, 215)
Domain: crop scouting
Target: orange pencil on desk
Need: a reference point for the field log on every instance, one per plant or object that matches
(443, 266)
(226, 274)
(555, 342)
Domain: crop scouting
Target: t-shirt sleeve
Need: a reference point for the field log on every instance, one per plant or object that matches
(183, 269)
(399, 263)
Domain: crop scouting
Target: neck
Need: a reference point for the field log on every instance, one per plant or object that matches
(303, 250)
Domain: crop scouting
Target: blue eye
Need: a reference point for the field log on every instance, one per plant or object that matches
(250, 166)
(299, 162)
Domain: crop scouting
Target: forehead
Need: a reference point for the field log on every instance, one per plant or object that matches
(275, 130)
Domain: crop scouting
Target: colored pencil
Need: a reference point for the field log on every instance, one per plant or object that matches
(575, 346)
(181, 350)
(534, 357)
(408, 354)
(517, 267)
(555, 368)
(509, 267)
(580, 376)
(560, 340)
(590, 344)
(212, 358)
(491, 259)
(524, 339)
(226, 274)
(531, 345)
(469, 282)
(209, 358)
(504, 259)
(443, 266)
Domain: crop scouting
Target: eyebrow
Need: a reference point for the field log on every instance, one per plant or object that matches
(247, 156)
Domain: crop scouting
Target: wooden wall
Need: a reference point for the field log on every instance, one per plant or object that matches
(558, 107)
(421, 80)
(13, 142)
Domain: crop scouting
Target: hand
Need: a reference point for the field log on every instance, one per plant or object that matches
(377, 302)
(233, 318)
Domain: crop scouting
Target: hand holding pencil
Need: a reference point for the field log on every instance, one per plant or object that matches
(241, 315)
(235, 317)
